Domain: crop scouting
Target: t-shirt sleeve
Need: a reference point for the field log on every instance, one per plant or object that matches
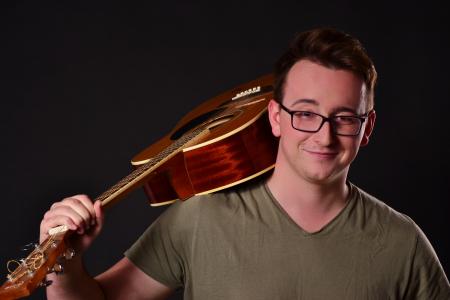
(427, 278)
(156, 252)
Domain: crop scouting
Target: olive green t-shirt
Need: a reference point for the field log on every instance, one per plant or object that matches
(241, 244)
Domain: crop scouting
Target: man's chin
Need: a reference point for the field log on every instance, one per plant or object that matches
(322, 178)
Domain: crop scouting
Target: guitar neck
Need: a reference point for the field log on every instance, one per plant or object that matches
(137, 177)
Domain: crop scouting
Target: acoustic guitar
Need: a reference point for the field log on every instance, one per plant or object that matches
(223, 142)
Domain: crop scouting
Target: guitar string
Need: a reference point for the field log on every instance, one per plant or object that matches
(171, 149)
(166, 152)
(34, 260)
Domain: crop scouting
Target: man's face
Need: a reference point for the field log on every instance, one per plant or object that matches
(320, 157)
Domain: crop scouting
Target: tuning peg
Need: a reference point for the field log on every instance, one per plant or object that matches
(57, 269)
(45, 283)
(69, 254)
(30, 246)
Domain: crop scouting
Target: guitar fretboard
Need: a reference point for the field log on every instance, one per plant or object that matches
(128, 181)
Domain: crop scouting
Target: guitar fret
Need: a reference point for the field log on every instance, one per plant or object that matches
(169, 150)
(35, 259)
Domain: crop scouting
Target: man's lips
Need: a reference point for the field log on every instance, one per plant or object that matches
(321, 153)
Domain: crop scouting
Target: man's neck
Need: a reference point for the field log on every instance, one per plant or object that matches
(311, 205)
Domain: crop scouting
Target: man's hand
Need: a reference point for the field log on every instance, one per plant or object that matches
(79, 214)
(122, 281)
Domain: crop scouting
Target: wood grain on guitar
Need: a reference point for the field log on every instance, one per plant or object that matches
(223, 142)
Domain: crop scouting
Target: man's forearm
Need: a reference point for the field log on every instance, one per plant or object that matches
(74, 283)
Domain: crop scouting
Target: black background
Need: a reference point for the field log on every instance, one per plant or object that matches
(86, 86)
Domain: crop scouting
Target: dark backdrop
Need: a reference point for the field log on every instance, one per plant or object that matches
(87, 86)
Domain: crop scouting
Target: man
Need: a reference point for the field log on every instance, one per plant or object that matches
(303, 233)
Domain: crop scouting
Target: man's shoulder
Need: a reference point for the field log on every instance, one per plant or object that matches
(383, 217)
(212, 205)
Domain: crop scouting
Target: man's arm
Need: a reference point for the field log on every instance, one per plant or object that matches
(125, 281)
(427, 277)
(122, 281)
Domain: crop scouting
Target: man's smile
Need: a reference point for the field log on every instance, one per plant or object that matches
(326, 154)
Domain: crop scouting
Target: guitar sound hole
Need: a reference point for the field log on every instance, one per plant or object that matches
(220, 120)
(195, 122)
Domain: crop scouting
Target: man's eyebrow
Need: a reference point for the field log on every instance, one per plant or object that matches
(307, 101)
(339, 109)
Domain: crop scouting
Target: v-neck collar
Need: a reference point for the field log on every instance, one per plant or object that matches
(338, 220)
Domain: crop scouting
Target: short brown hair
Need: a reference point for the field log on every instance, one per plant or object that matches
(332, 49)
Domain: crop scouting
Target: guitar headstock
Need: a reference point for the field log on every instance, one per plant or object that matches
(31, 271)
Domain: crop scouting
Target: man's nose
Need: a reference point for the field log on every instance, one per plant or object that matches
(325, 136)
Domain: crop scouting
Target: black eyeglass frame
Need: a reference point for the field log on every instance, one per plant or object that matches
(330, 120)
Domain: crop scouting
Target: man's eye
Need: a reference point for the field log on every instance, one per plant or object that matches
(346, 120)
(305, 114)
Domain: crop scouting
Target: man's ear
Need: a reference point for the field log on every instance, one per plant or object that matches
(274, 117)
(370, 123)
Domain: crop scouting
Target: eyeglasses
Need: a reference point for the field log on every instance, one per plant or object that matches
(307, 121)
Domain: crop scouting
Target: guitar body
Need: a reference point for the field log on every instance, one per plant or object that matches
(237, 146)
